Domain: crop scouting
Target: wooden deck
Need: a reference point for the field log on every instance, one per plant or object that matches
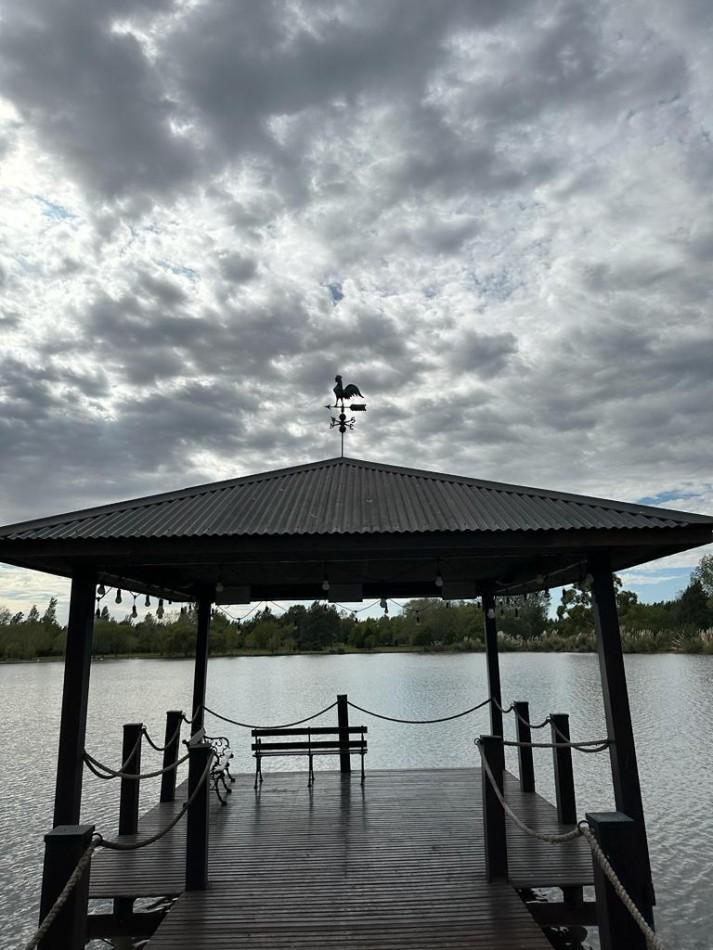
(397, 863)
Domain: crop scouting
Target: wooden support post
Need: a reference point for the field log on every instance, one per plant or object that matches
(64, 846)
(129, 796)
(524, 753)
(75, 694)
(622, 751)
(496, 849)
(620, 840)
(564, 774)
(345, 762)
(200, 675)
(170, 753)
(197, 818)
(491, 655)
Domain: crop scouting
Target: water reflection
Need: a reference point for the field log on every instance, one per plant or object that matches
(672, 708)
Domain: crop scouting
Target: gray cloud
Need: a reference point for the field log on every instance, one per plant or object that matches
(493, 217)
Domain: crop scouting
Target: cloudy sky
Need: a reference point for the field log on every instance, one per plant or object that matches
(496, 217)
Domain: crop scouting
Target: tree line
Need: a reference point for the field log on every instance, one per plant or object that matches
(684, 624)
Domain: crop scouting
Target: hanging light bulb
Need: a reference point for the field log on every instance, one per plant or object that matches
(98, 614)
(325, 582)
(383, 604)
(219, 587)
(117, 599)
(491, 613)
(101, 590)
(418, 617)
(160, 603)
(439, 577)
(134, 612)
(159, 612)
(147, 602)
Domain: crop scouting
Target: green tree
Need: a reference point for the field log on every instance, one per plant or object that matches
(703, 574)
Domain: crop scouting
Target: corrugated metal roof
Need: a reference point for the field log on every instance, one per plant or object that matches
(347, 496)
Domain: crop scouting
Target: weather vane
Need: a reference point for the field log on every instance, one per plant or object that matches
(343, 394)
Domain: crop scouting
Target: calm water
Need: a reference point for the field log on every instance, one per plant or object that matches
(672, 704)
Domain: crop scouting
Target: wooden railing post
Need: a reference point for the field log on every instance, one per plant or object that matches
(345, 762)
(496, 854)
(64, 846)
(621, 840)
(170, 754)
(199, 754)
(564, 774)
(524, 752)
(131, 760)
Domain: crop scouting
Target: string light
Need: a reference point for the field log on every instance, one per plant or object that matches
(439, 578)
(101, 590)
(134, 612)
(159, 612)
(98, 614)
(491, 613)
(325, 581)
(117, 599)
(147, 602)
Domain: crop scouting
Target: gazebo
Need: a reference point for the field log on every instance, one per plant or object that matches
(344, 529)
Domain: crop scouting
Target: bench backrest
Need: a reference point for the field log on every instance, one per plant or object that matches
(319, 743)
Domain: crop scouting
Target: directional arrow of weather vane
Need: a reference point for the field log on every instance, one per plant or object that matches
(344, 394)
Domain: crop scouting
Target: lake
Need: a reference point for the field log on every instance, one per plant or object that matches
(672, 708)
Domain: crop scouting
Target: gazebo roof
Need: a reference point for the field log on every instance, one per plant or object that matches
(375, 526)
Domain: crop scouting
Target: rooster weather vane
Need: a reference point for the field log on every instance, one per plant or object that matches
(344, 394)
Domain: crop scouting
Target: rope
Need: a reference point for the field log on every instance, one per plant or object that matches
(582, 829)
(162, 748)
(652, 938)
(134, 846)
(419, 722)
(248, 725)
(93, 765)
(525, 722)
(595, 745)
(61, 900)
(101, 842)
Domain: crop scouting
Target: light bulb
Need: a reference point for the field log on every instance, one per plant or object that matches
(491, 613)
(134, 612)
(101, 590)
(325, 584)
(147, 602)
(439, 580)
(219, 587)
(117, 599)
(98, 614)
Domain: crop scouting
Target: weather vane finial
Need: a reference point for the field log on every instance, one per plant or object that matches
(342, 394)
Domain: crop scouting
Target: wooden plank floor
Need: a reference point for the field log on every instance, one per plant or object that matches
(397, 863)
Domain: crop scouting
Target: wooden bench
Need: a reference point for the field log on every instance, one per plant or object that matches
(315, 743)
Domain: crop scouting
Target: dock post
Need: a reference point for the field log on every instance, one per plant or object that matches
(496, 849)
(620, 839)
(493, 663)
(345, 762)
(174, 717)
(564, 774)
(524, 752)
(75, 695)
(622, 751)
(64, 846)
(129, 795)
(197, 819)
(200, 672)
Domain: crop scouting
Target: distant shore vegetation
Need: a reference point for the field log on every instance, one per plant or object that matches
(681, 625)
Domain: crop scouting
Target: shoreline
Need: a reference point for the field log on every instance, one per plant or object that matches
(102, 658)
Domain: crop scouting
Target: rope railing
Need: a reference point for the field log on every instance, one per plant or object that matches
(98, 841)
(583, 830)
(419, 722)
(593, 745)
(250, 725)
(162, 748)
(511, 709)
(97, 768)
